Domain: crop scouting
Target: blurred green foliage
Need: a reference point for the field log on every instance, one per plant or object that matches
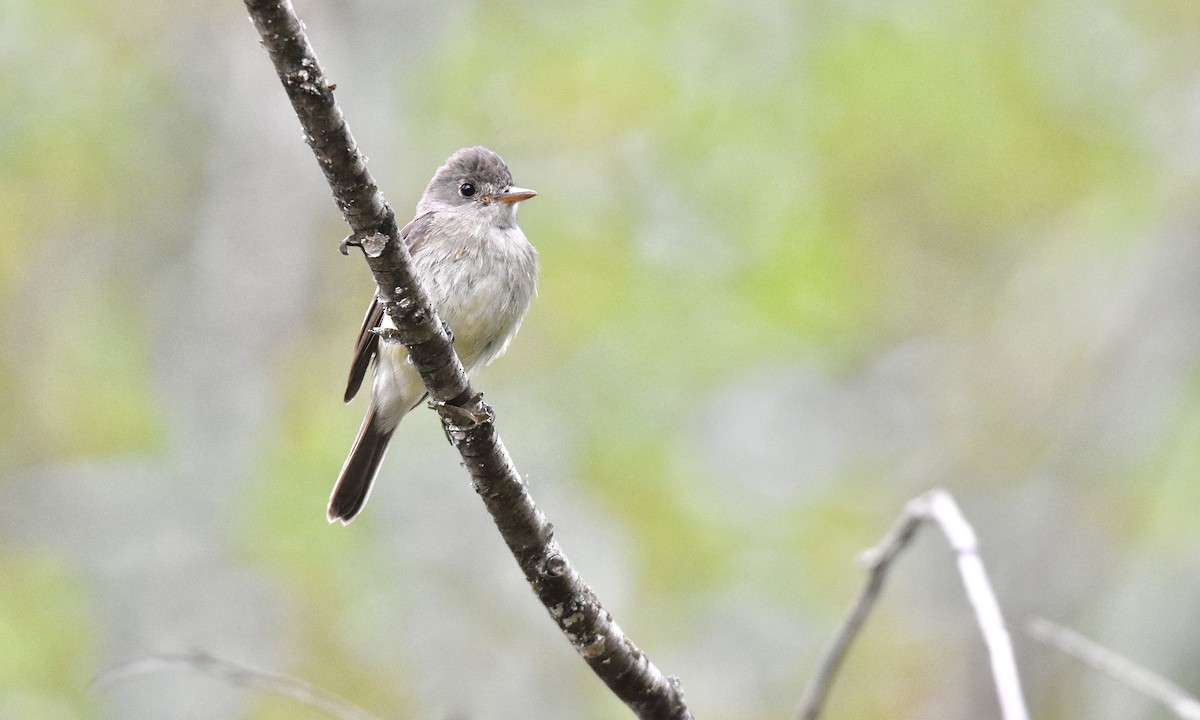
(727, 189)
(48, 638)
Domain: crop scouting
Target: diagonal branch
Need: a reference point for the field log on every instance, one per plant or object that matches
(240, 675)
(1150, 684)
(878, 562)
(934, 506)
(530, 537)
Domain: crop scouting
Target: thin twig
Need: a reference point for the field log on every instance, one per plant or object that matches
(1118, 667)
(937, 506)
(529, 536)
(240, 675)
(961, 537)
(878, 562)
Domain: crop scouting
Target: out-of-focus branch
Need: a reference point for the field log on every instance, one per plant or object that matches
(1120, 668)
(878, 562)
(944, 511)
(571, 603)
(936, 506)
(240, 675)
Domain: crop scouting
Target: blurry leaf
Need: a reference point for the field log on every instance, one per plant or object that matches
(680, 549)
(951, 122)
(1165, 491)
(87, 389)
(46, 633)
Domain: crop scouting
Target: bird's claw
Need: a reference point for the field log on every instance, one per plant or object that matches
(348, 242)
(456, 418)
(387, 334)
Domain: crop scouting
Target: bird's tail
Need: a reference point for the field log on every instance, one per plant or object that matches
(358, 474)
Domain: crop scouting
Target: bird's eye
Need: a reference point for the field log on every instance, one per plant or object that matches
(467, 189)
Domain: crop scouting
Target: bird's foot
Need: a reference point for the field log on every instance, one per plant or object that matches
(458, 419)
(387, 334)
(348, 242)
(372, 245)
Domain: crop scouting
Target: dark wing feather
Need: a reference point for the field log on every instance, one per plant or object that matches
(364, 348)
(414, 235)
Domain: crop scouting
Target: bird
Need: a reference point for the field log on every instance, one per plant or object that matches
(480, 274)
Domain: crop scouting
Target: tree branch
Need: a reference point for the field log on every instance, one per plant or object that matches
(571, 603)
(937, 506)
(240, 675)
(1152, 685)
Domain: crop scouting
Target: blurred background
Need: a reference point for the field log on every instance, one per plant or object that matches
(801, 261)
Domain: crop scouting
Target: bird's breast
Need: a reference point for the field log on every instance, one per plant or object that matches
(481, 284)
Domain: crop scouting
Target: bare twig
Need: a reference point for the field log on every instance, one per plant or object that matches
(240, 675)
(961, 537)
(529, 536)
(1120, 668)
(936, 506)
(878, 562)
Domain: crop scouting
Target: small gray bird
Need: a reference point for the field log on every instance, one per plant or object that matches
(480, 274)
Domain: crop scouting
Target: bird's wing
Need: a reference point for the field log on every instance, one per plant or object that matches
(414, 235)
(364, 348)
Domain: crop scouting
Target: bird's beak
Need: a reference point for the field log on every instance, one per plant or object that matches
(512, 195)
